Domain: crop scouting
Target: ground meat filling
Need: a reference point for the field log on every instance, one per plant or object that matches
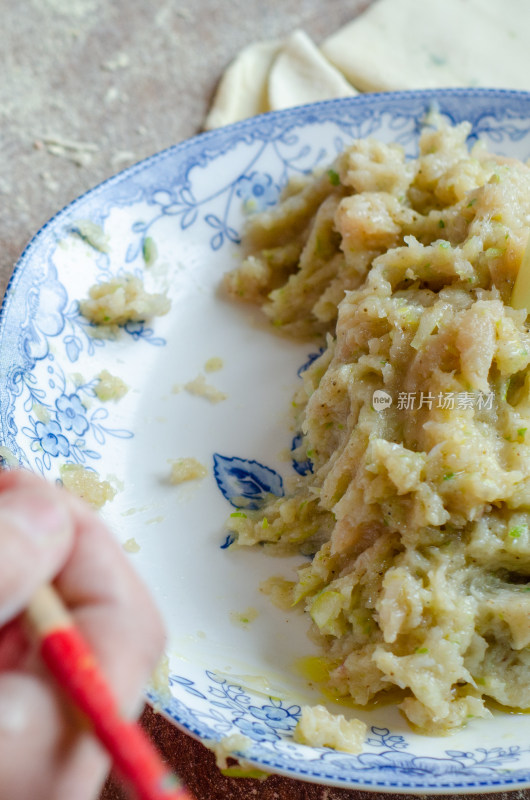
(416, 418)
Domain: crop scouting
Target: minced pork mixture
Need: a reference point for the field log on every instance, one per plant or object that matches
(416, 513)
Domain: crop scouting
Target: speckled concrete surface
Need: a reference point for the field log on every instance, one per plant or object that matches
(88, 87)
(196, 765)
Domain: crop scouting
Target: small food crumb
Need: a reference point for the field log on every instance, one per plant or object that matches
(93, 234)
(122, 300)
(214, 364)
(280, 592)
(228, 745)
(131, 546)
(285, 454)
(317, 727)
(86, 483)
(160, 682)
(176, 388)
(149, 251)
(119, 61)
(77, 378)
(110, 387)
(41, 412)
(244, 618)
(130, 511)
(8, 458)
(160, 677)
(116, 482)
(199, 387)
(186, 469)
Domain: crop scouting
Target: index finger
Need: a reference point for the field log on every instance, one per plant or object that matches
(110, 603)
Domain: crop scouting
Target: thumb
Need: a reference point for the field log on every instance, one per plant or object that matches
(36, 535)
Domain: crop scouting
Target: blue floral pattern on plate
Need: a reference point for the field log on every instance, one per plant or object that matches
(50, 359)
(224, 708)
(245, 483)
(258, 191)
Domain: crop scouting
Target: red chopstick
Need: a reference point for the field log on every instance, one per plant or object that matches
(70, 660)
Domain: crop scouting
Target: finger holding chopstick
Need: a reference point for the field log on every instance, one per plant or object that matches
(47, 750)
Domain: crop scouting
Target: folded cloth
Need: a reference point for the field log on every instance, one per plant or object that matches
(418, 44)
(394, 44)
(242, 90)
(301, 74)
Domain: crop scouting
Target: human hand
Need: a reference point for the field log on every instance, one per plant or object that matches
(48, 535)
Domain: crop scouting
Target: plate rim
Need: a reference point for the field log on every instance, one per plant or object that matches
(227, 135)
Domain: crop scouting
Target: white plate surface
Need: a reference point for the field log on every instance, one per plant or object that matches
(226, 677)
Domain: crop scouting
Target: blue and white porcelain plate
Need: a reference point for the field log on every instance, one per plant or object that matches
(233, 655)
